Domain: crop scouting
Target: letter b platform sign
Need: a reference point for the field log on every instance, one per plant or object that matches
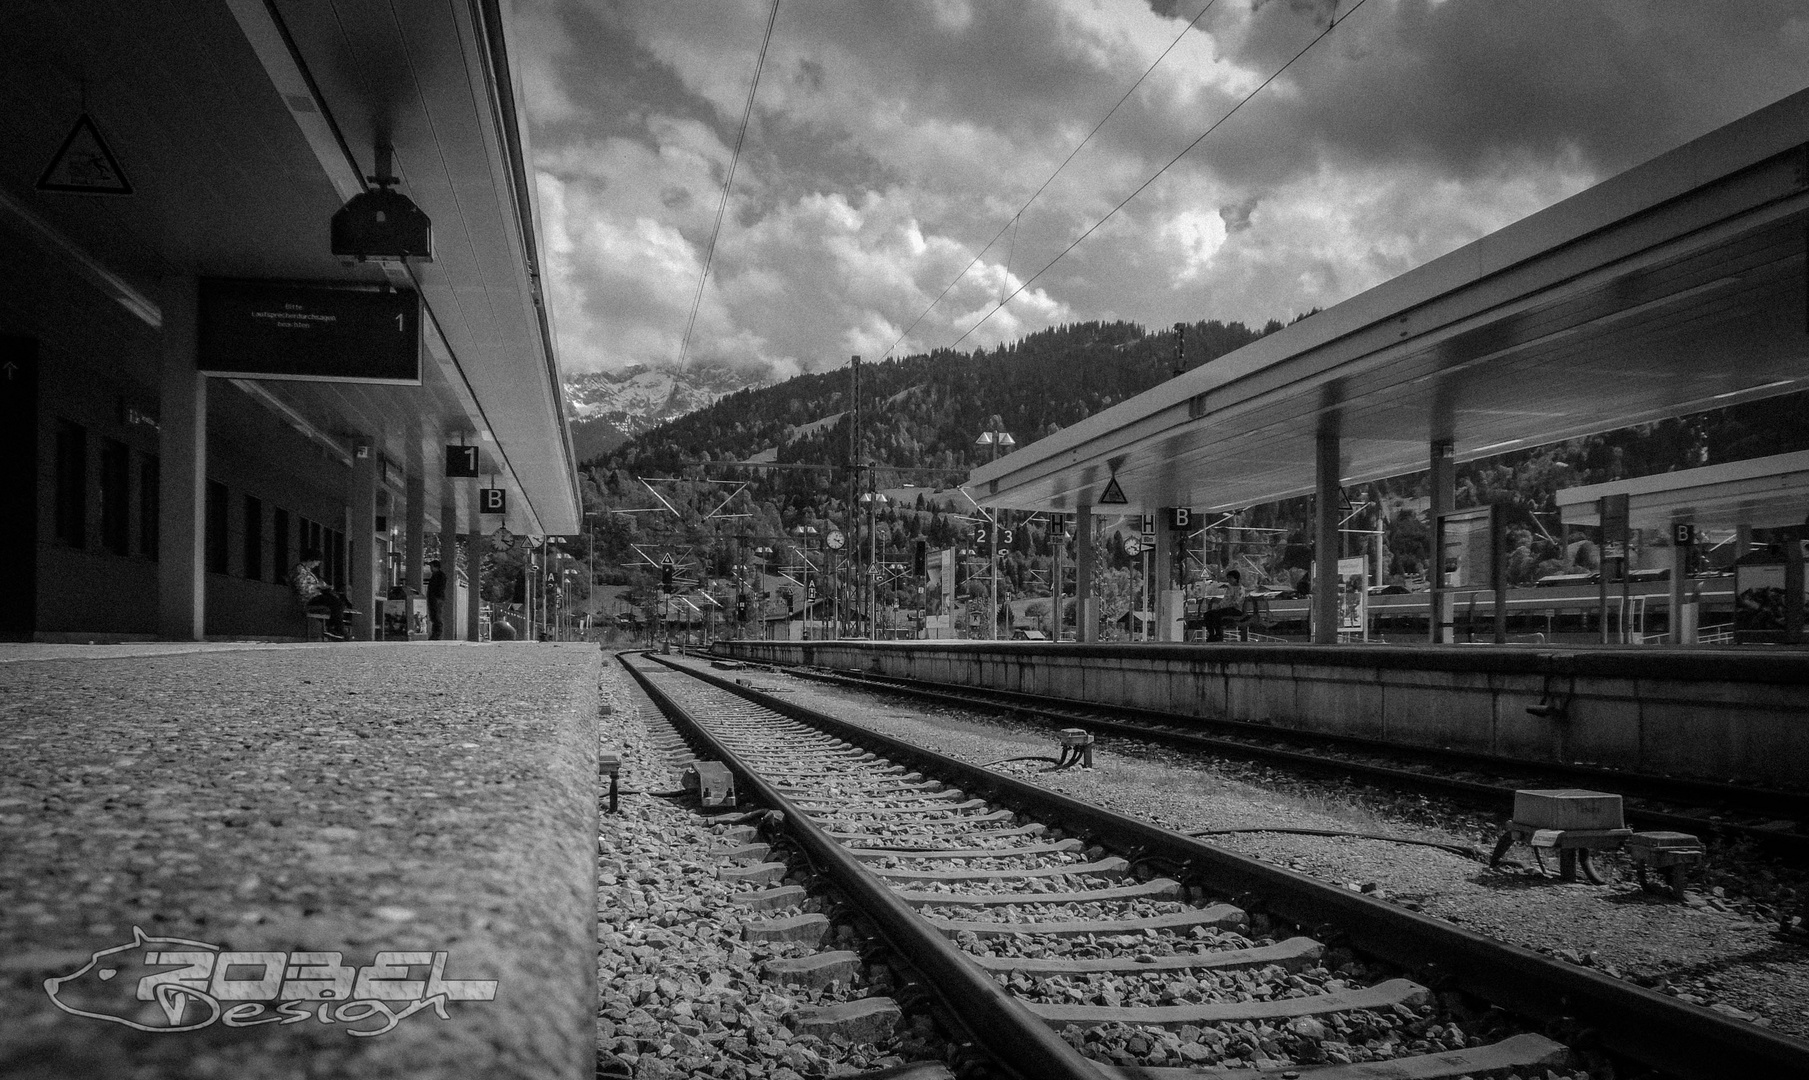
(492, 500)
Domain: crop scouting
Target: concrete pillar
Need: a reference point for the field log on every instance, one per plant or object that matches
(474, 566)
(416, 541)
(1325, 538)
(1161, 606)
(452, 611)
(1443, 630)
(361, 542)
(1086, 609)
(182, 464)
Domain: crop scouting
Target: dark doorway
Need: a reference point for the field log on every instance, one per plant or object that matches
(19, 487)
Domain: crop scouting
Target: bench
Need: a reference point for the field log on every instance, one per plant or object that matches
(1193, 617)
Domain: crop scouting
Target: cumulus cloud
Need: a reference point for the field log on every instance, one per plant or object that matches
(892, 144)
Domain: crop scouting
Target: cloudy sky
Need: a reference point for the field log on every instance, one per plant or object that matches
(891, 140)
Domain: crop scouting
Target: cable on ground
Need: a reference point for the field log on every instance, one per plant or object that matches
(1468, 851)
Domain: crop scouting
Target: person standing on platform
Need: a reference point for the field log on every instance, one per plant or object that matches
(436, 597)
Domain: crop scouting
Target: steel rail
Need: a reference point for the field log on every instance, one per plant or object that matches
(1674, 1037)
(1632, 784)
(1018, 1042)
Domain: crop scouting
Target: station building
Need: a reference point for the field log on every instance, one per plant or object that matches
(195, 386)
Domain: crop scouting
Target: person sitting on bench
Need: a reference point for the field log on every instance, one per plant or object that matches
(317, 595)
(1228, 606)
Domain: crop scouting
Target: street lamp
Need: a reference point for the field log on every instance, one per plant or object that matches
(763, 559)
(873, 499)
(994, 437)
(804, 533)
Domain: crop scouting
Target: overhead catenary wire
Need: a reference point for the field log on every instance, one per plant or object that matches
(1245, 100)
(1045, 184)
(728, 181)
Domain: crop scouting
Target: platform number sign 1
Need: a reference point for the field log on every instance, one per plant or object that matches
(492, 500)
(461, 461)
(1180, 518)
(1683, 534)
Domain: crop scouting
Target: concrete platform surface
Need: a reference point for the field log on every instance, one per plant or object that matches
(158, 812)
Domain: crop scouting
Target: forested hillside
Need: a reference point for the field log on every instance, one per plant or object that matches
(920, 418)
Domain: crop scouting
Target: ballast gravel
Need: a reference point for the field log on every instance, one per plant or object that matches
(1712, 952)
(682, 991)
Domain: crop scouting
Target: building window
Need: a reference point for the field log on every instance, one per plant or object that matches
(279, 544)
(217, 528)
(254, 538)
(116, 497)
(72, 484)
(336, 558)
(150, 504)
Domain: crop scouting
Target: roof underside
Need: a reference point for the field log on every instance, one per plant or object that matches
(1676, 287)
(1759, 493)
(237, 171)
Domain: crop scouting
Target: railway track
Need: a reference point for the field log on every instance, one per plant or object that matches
(1071, 941)
(1772, 819)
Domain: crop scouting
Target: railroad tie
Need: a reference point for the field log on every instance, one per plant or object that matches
(766, 873)
(918, 798)
(866, 1020)
(746, 853)
(809, 928)
(1523, 1054)
(896, 772)
(1156, 889)
(1221, 916)
(917, 812)
(1035, 828)
(1111, 865)
(816, 970)
(878, 788)
(953, 853)
(774, 899)
(1379, 996)
(1294, 954)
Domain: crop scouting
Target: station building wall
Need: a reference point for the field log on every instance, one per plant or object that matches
(97, 474)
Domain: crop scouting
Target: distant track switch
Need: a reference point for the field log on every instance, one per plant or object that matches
(1077, 748)
(714, 784)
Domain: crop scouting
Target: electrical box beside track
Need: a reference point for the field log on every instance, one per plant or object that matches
(1568, 808)
(714, 784)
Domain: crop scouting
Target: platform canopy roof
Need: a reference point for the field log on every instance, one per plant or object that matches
(1674, 287)
(242, 126)
(1759, 493)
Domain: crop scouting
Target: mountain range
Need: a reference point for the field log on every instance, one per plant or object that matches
(610, 407)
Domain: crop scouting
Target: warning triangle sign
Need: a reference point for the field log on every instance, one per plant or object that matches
(85, 165)
(1113, 495)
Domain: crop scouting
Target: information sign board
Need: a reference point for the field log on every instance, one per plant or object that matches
(1353, 596)
(461, 461)
(1469, 542)
(308, 331)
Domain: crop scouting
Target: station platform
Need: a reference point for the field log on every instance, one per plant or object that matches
(163, 805)
(1731, 715)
